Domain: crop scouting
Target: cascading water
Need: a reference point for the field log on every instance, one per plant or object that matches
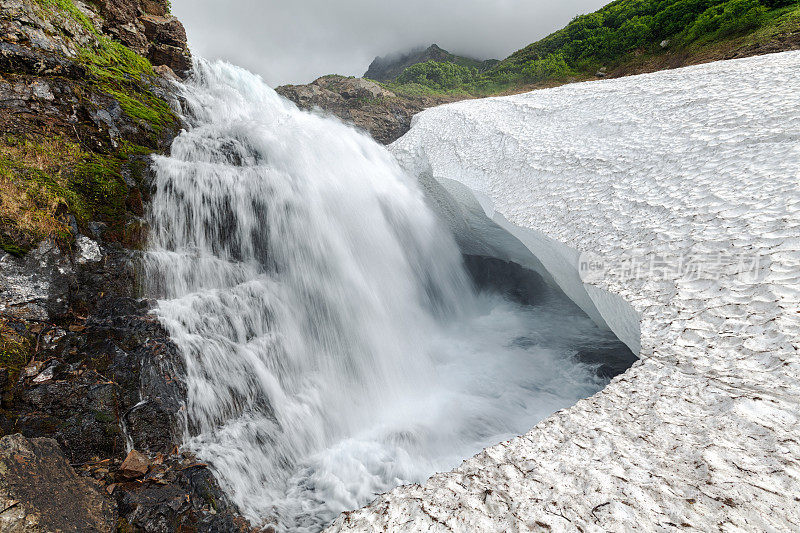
(334, 345)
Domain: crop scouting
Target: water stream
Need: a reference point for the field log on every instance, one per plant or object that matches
(335, 346)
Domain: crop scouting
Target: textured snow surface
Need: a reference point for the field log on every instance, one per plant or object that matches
(702, 433)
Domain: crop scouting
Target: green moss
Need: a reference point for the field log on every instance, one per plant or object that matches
(15, 350)
(41, 179)
(119, 72)
(44, 178)
(124, 75)
(99, 183)
(13, 249)
(112, 62)
(33, 190)
(146, 108)
(68, 7)
(104, 417)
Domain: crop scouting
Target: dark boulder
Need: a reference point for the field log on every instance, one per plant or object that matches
(176, 58)
(177, 496)
(40, 492)
(19, 59)
(167, 39)
(164, 30)
(135, 465)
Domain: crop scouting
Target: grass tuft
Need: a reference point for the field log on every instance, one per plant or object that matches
(43, 179)
(14, 349)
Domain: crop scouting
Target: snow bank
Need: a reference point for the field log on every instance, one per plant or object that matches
(682, 191)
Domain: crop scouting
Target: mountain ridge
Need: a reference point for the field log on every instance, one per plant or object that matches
(637, 36)
(388, 67)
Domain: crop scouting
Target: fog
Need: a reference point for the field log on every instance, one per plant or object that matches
(300, 40)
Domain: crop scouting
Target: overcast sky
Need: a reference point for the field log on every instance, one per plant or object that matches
(296, 41)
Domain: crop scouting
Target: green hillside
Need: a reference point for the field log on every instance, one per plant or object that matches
(624, 36)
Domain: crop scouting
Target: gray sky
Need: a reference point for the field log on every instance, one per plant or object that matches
(296, 41)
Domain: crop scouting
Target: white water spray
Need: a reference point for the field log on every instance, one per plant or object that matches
(334, 346)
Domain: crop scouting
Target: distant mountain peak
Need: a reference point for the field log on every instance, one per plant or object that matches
(389, 67)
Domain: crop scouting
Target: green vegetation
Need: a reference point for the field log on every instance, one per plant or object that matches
(42, 179)
(120, 73)
(70, 9)
(552, 66)
(470, 63)
(14, 349)
(125, 75)
(45, 177)
(438, 76)
(623, 32)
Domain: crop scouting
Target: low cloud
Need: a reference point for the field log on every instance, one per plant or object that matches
(299, 40)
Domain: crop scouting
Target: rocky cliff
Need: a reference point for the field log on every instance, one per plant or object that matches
(85, 97)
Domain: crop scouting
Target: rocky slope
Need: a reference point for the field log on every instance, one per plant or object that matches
(364, 103)
(385, 114)
(84, 102)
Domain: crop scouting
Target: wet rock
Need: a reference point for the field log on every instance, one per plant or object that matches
(135, 352)
(152, 424)
(509, 279)
(134, 466)
(88, 250)
(80, 412)
(45, 375)
(40, 492)
(32, 369)
(97, 229)
(16, 58)
(165, 72)
(609, 360)
(177, 496)
(36, 286)
(41, 89)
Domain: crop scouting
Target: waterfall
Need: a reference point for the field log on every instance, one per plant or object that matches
(334, 345)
